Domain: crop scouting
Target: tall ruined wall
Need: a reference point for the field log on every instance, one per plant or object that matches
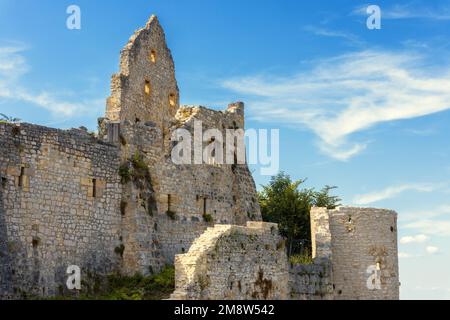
(361, 244)
(185, 199)
(234, 262)
(144, 111)
(145, 88)
(61, 198)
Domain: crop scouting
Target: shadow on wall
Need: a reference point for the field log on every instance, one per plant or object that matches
(5, 274)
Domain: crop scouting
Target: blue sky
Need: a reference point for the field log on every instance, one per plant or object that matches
(365, 110)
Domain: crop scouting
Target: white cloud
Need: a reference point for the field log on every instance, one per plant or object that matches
(13, 66)
(430, 227)
(432, 249)
(393, 191)
(347, 94)
(420, 238)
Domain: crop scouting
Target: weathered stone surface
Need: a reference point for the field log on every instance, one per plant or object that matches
(354, 239)
(234, 262)
(311, 282)
(50, 218)
(63, 202)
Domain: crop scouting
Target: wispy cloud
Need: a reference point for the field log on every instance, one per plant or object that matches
(420, 238)
(323, 32)
(350, 93)
(405, 255)
(430, 227)
(434, 212)
(408, 11)
(13, 67)
(393, 191)
(421, 132)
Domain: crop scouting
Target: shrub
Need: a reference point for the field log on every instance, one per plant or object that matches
(140, 168)
(139, 287)
(208, 218)
(124, 173)
(304, 258)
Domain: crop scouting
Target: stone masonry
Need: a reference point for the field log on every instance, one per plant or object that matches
(359, 245)
(354, 257)
(59, 207)
(116, 202)
(234, 262)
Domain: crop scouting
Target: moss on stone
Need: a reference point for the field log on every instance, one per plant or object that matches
(124, 173)
(208, 218)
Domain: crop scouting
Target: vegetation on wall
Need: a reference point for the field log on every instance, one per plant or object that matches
(7, 119)
(124, 173)
(283, 202)
(208, 218)
(119, 287)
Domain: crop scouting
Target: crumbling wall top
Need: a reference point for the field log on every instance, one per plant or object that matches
(145, 89)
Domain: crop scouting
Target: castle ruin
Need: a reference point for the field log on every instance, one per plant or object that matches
(117, 203)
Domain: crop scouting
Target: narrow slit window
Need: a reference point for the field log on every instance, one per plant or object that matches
(147, 88)
(22, 174)
(94, 188)
(169, 200)
(153, 56)
(172, 100)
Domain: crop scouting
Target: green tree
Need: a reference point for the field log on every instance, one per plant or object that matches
(283, 202)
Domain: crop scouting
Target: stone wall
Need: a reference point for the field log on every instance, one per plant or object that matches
(60, 206)
(5, 262)
(185, 199)
(361, 244)
(63, 202)
(234, 262)
(311, 281)
(145, 88)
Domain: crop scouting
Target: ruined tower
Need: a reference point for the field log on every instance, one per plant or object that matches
(145, 89)
(164, 214)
